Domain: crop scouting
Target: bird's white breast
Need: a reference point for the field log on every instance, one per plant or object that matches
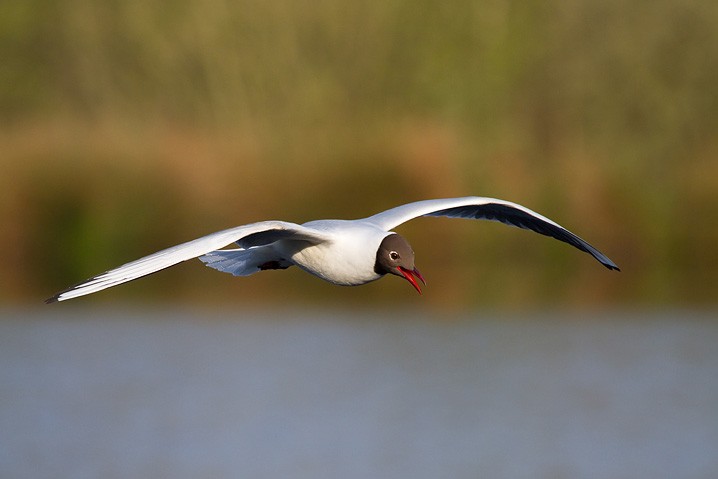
(348, 259)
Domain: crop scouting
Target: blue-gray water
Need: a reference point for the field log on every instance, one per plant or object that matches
(183, 394)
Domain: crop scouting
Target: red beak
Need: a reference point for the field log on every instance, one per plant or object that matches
(409, 275)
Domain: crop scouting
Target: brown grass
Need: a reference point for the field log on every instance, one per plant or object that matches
(128, 127)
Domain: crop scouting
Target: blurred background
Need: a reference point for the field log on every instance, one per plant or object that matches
(129, 126)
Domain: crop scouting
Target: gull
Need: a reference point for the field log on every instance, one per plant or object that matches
(342, 252)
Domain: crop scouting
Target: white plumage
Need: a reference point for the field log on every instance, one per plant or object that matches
(342, 252)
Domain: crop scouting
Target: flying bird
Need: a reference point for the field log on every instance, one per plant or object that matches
(343, 252)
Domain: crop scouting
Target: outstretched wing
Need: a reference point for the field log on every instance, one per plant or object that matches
(255, 234)
(474, 207)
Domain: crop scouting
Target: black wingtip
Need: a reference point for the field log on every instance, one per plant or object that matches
(611, 266)
(54, 299)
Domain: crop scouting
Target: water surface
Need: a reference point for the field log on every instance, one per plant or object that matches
(186, 394)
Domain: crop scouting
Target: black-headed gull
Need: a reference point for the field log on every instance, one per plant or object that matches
(344, 252)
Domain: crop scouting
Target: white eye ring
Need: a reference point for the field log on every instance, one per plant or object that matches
(394, 255)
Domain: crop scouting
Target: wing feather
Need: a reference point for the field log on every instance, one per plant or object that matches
(492, 209)
(264, 232)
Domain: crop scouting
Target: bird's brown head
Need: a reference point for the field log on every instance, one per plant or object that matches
(395, 256)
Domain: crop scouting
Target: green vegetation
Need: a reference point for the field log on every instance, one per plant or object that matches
(132, 125)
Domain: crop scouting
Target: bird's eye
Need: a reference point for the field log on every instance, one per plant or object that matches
(394, 255)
